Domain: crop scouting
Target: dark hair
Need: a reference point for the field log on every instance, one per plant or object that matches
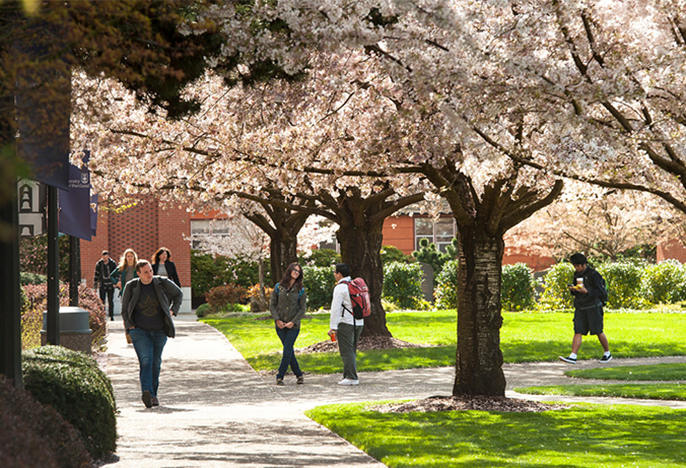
(104, 252)
(343, 269)
(156, 256)
(140, 264)
(578, 259)
(286, 280)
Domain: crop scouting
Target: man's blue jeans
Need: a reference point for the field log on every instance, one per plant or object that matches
(149, 346)
(288, 337)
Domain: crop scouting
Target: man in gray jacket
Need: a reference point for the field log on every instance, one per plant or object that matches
(147, 314)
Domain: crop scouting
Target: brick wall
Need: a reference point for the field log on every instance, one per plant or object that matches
(399, 232)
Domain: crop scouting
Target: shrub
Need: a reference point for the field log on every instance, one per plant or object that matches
(256, 303)
(221, 296)
(203, 310)
(623, 281)
(209, 271)
(664, 282)
(73, 384)
(390, 253)
(445, 291)
(320, 258)
(36, 304)
(32, 278)
(517, 291)
(36, 435)
(319, 283)
(33, 255)
(555, 291)
(402, 284)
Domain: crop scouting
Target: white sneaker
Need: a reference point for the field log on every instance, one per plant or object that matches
(349, 382)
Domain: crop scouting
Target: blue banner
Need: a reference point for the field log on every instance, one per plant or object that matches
(75, 204)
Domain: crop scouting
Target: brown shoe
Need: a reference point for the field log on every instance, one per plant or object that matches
(301, 380)
(147, 399)
(128, 338)
(155, 401)
(280, 383)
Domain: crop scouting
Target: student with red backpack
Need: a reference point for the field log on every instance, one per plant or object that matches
(343, 323)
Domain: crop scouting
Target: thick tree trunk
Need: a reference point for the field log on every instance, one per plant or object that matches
(361, 250)
(479, 361)
(283, 250)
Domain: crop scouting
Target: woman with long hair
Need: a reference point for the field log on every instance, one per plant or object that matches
(126, 270)
(287, 306)
(163, 266)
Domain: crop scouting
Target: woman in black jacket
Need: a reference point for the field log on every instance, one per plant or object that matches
(163, 266)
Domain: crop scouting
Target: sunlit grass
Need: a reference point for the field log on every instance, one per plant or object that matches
(525, 337)
(650, 391)
(654, 372)
(580, 436)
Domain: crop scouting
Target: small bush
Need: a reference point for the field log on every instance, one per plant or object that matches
(664, 282)
(402, 284)
(73, 384)
(36, 304)
(556, 294)
(209, 271)
(221, 296)
(256, 303)
(203, 310)
(36, 435)
(445, 291)
(319, 283)
(390, 253)
(517, 291)
(32, 278)
(623, 281)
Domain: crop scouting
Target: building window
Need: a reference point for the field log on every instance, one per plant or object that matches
(201, 228)
(439, 232)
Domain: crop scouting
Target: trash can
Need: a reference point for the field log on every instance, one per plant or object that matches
(75, 332)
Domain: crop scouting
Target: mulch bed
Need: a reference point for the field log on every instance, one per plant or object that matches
(469, 403)
(365, 344)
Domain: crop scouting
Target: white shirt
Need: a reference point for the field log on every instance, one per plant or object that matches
(341, 298)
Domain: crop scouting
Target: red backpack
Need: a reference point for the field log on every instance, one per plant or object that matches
(359, 296)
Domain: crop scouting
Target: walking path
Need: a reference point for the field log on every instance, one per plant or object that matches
(216, 411)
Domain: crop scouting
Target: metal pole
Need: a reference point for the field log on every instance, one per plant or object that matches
(10, 312)
(53, 325)
(74, 270)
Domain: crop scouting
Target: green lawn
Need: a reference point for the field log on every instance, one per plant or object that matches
(580, 436)
(525, 337)
(649, 391)
(656, 372)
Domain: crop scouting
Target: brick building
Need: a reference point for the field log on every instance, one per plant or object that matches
(144, 227)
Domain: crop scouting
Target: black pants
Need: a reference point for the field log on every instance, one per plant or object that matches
(110, 299)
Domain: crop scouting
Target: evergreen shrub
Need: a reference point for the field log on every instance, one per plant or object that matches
(391, 253)
(73, 384)
(36, 435)
(664, 282)
(320, 258)
(203, 310)
(32, 278)
(402, 284)
(319, 283)
(556, 294)
(518, 284)
(445, 290)
(623, 281)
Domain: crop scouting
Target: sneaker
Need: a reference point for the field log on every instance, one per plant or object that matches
(280, 383)
(155, 401)
(349, 382)
(568, 359)
(605, 358)
(301, 380)
(147, 399)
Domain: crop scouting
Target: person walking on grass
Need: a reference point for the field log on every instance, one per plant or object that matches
(287, 306)
(590, 295)
(344, 326)
(147, 313)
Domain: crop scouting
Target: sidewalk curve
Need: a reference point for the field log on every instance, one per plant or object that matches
(216, 411)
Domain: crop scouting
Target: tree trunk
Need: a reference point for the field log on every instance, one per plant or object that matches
(283, 250)
(361, 250)
(478, 369)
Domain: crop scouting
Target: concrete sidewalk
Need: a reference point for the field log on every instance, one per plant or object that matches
(216, 411)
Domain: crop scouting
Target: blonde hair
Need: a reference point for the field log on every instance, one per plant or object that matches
(122, 260)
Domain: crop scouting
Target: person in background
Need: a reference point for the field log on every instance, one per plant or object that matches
(147, 313)
(163, 266)
(342, 324)
(102, 280)
(287, 306)
(125, 272)
(588, 289)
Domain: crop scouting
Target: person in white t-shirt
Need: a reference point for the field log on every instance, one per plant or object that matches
(344, 326)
